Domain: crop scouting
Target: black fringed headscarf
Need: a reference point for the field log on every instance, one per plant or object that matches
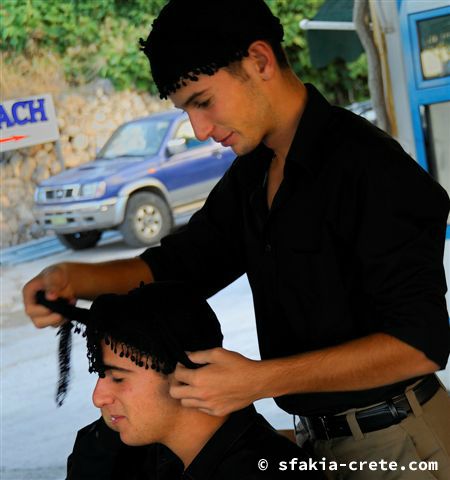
(153, 326)
(193, 37)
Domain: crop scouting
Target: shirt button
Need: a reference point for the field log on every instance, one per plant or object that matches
(268, 248)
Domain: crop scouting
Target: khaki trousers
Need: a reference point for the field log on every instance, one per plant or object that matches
(424, 436)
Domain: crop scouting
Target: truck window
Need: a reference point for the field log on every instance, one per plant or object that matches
(186, 131)
(135, 139)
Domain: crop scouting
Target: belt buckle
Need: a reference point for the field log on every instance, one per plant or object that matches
(325, 428)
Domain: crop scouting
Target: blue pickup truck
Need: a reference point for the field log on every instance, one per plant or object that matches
(150, 176)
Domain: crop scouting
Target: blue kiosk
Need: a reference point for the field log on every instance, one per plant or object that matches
(425, 35)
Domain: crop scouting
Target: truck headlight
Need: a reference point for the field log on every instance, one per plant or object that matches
(39, 195)
(93, 190)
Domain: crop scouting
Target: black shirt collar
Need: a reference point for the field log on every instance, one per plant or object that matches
(163, 464)
(305, 147)
(315, 117)
(212, 454)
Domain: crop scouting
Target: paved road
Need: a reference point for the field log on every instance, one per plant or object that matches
(44, 247)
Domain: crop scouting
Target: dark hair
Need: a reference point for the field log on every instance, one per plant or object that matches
(235, 68)
(153, 325)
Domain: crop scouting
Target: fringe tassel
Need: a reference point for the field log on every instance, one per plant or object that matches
(65, 346)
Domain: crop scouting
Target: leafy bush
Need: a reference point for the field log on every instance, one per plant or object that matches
(93, 38)
(341, 82)
(99, 39)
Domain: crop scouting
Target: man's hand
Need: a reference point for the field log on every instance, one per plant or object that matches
(228, 383)
(72, 280)
(55, 281)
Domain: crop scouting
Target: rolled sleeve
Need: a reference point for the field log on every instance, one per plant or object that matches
(401, 244)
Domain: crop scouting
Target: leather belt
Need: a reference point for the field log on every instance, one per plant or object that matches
(379, 416)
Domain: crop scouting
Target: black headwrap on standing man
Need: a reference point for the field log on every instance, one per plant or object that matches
(193, 37)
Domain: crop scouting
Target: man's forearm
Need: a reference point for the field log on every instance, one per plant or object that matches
(369, 362)
(118, 276)
(230, 381)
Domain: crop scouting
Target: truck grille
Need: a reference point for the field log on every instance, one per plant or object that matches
(60, 194)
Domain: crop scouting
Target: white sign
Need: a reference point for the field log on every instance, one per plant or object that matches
(27, 121)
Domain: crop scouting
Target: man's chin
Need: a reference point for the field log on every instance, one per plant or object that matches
(132, 442)
(240, 150)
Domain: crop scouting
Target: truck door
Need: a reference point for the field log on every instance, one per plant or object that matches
(191, 174)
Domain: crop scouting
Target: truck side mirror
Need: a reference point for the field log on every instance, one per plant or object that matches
(176, 145)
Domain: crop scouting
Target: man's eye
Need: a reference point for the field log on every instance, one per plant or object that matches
(117, 380)
(204, 104)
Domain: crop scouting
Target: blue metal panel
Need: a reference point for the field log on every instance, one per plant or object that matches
(421, 92)
(413, 20)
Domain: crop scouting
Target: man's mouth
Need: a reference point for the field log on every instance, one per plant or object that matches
(224, 140)
(115, 419)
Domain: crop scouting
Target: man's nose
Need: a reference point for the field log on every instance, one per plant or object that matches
(101, 395)
(202, 126)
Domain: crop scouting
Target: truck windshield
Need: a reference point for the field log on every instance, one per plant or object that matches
(135, 139)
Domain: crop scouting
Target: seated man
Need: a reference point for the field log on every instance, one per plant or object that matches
(134, 342)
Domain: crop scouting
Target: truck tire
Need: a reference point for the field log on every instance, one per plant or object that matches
(147, 220)
(80, 240)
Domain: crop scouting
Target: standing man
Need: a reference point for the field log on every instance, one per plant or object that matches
(341, 235)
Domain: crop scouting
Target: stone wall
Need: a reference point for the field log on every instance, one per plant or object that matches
(86, 120)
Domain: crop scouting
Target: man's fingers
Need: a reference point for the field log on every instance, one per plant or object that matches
(36, 310)
(41, 316)
(29, 292)
(206, 410)
(192, 403)
(54, 319)
(29, 296)
(182, 392)
(51, 295)
(202, 407)
(204, 356)
(55, 281)
(186, 395)
(183, 374)
(58, 321)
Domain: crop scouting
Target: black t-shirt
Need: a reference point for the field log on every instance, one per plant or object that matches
(352, 245)
(245, 447)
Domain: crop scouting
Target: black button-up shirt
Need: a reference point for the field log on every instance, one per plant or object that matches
(352, 245)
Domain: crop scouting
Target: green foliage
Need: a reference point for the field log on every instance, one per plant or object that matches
(95, 38)
(98, 38)
(341, 82)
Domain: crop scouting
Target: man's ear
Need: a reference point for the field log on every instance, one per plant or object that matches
(261, 55)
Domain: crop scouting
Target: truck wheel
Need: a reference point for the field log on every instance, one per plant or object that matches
(80, 240)
(147, 220)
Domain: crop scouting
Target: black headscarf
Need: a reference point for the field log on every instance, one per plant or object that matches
(193, 37)
(153, 325)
